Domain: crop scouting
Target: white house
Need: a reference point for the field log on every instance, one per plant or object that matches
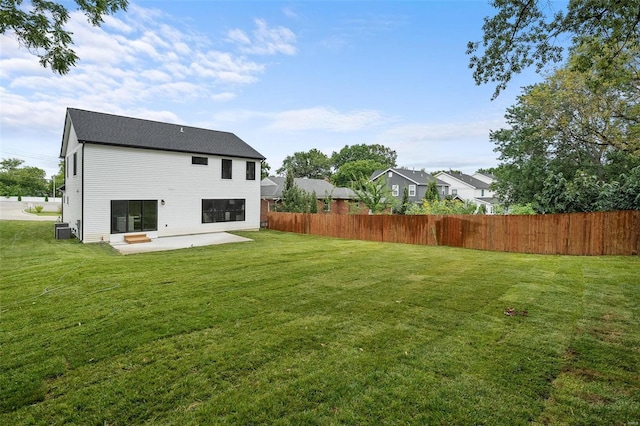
(127, 175)
(476, 188)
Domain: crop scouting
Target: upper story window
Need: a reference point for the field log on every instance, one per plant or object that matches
(395, 190)
(251, 170)
(412, 190)
(482, 192)
(226, 169)
(454, 191)
(75, 163)
(200, 160)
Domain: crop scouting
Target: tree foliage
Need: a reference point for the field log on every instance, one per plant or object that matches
(295, 199)
(41, 27)
(18, 180)
(432, 193)
(312, 164)
(529, 33)
(265, 168)
(572, 138)
(376, 195)
(355, 171)
(361, 152)
(443, 207)
(405, 204)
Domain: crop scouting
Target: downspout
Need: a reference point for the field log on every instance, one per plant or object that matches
(82, 198)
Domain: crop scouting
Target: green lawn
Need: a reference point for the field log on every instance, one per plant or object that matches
(295, 329)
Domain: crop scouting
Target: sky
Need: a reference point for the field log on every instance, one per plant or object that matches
(283, 76)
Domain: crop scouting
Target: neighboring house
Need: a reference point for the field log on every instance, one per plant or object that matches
(475, 189)
(127, 175)
(342, 200)
(415, 181)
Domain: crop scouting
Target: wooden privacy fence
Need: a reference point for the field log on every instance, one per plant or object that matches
(592, 234)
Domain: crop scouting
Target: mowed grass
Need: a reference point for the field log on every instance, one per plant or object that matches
(295, 329)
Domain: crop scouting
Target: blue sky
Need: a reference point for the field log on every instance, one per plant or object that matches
(283, 76)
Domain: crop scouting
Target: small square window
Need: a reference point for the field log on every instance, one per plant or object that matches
(454, 192)
(226, 169)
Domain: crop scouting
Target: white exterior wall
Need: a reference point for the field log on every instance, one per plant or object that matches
(487, 193)
(72, 197)
(119, 173)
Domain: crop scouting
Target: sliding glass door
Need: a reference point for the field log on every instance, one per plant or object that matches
(134, 216)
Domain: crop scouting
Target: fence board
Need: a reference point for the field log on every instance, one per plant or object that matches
(597, 233)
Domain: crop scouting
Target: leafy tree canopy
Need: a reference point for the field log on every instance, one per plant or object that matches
(432, 193)
(526, 33)
(296, 199)
(265, 168)
(312, 164)
(41, 27)
(17, 180)
(443, 207)
(377, 153)
(355, 171)
(375, 194)
(573, 138)
(445, 171)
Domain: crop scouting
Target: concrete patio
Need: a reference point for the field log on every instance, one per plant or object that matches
(178, 242)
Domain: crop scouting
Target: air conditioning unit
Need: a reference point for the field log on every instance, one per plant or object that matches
(63, 233)
(59, 225)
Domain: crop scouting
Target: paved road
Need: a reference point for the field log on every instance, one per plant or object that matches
(14, 210)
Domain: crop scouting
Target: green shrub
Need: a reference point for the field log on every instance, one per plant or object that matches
(38, 209)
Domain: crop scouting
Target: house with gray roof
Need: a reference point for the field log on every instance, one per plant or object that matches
(331, 199)
(132, 176)
(416, 182)
(475, 188)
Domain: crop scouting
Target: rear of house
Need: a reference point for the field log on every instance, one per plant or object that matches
(127, 175)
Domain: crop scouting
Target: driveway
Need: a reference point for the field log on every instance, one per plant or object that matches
(14, 210)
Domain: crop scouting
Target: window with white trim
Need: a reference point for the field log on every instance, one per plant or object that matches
(395, 190)
(412, 190)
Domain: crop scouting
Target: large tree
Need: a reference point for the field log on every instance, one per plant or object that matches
(41, 27)
(312, 164)
(523, 33)
(375, 152)
(355, 171)
(18, 180)
(572, 136)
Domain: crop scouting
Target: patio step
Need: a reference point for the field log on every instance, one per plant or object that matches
(136, 238)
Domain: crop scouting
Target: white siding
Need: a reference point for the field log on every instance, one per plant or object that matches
(72, 199)
(118, 173)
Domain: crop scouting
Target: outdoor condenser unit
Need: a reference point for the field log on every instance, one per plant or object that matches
(63, 233)
(59, 225)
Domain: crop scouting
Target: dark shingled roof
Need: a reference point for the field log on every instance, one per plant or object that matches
(477, 183)
(108, 129)
(418, 176)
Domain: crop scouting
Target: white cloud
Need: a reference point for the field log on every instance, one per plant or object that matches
(327, 119)
(265, 40)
